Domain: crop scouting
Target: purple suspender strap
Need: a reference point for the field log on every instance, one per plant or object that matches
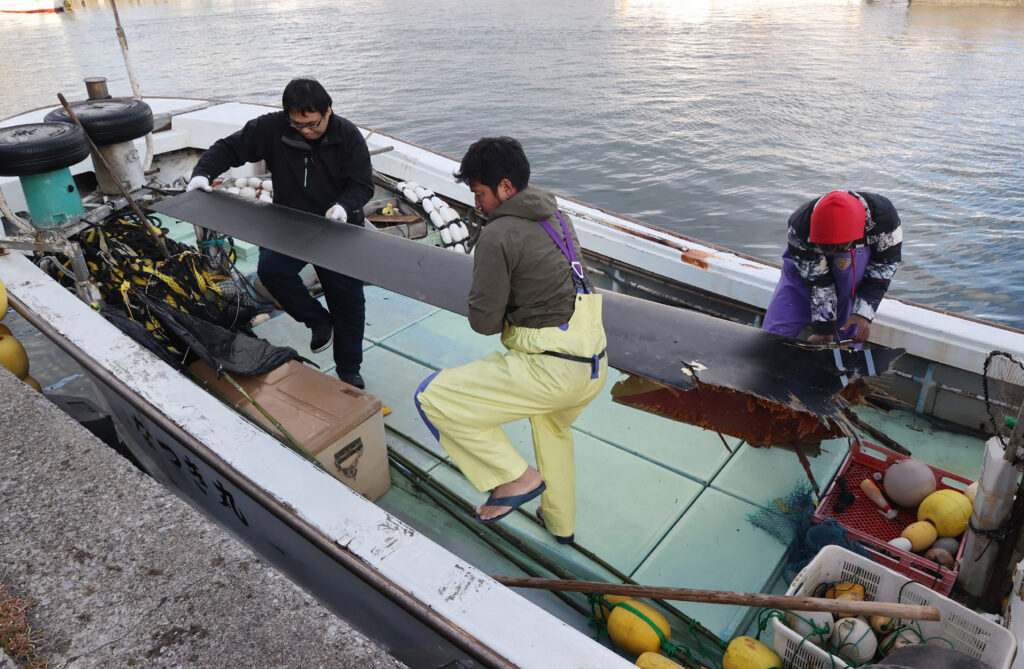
(569, 251)
(565, 244)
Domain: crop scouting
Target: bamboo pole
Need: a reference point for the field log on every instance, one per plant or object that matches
(113, 177)
(123, 40)
(756, 599)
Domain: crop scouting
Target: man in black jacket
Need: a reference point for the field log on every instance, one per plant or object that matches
(319, 164)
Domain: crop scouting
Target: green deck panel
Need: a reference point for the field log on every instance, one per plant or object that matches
(443, 340)
(395, 379)
(438, 525)
(624, 504)
(686, 449)
(246, 252)
(388, 313)
(714, 547)
(760, 474)
(960, 454)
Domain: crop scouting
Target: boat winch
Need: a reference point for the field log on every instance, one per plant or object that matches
(39, 154)
(112, 124)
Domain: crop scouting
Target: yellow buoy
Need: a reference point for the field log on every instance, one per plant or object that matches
(632, 633)
(948, 510)
(13, 356)
(3, 300)
(746, 652)
(922, 534)
(882, 624)
(847, 590)
(651, 660)
(611, 601)
(32, 382)
(4, 330)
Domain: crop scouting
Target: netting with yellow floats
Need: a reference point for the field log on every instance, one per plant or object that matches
(134, 280)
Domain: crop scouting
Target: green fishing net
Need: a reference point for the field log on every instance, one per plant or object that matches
(790, 519)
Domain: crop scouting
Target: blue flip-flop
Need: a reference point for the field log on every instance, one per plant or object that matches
(515, 501)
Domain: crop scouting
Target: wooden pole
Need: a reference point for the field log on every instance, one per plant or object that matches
(113, 177)
(756, 599)
(123, 39)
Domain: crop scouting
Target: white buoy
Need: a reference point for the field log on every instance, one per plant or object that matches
(428, 206)
(400, 186)
(446, 236)
(412, 185)
(439, 203)
(436, 219)
(992, 507)
(448, 214)
(464, 230)
(268, 185)
(456, 232)
(234, 190)
(459, 247)
(265, 197)
(423, 193)
(255, 183)
(248, 192)
(410, 195)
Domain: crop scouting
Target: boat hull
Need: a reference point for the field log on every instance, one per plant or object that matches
(422, 604)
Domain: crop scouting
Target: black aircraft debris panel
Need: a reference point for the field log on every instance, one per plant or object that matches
(669, 345)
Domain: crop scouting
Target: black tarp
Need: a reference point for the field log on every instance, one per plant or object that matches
(224, 350)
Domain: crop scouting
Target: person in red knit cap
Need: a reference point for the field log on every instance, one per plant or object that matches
(842, 252)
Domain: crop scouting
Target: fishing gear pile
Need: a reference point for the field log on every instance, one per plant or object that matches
(181, 308)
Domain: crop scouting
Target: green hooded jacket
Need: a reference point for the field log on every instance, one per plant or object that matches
(519, 274)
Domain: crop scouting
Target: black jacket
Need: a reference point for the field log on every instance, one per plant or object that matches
(311, 177)
(882, 234)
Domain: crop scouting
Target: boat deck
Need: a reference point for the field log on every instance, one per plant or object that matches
(661, 502)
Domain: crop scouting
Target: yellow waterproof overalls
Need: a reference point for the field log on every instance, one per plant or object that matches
(547, 375)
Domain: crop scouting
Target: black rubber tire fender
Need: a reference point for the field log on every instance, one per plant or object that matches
(35, 148)
(108, 121)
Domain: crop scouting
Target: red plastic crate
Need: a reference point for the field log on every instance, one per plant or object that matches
(865, 523)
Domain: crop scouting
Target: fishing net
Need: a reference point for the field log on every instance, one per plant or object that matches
(790, 519)
(181, 307)
(1003, 383)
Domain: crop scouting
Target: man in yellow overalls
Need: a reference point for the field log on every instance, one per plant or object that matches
(529, 284)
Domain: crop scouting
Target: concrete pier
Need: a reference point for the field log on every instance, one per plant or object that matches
(126, 574)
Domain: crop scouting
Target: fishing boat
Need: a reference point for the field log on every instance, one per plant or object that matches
(31, 6)
(662, 501)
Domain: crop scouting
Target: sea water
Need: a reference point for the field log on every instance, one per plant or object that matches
(713, 118)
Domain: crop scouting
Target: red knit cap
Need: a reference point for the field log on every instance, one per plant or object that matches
(838, 218)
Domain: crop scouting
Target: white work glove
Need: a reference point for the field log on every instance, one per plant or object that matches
(338, 213)
(198, 182)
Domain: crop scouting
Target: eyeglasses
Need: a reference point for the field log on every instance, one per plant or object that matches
(303, 126)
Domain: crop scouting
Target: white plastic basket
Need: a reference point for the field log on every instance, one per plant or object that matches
(967, 631)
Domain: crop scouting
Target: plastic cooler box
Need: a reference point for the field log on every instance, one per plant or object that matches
(865, 523)
(962, 628)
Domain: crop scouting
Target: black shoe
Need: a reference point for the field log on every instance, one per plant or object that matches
(353, 379)
(323, 336)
